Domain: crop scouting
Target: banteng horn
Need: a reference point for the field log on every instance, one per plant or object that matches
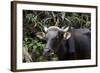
(55, 27)
(65, 29)
(45, 28)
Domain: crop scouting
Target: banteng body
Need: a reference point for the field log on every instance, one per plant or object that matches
(67, 45)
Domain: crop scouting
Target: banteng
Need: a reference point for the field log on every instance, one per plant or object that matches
(67, 45)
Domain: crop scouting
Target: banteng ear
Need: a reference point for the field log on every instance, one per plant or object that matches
(67, 35)
(40, 35)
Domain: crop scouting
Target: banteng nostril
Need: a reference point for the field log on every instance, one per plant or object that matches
(46, 50)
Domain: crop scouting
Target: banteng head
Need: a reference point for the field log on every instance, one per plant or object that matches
(53, 36)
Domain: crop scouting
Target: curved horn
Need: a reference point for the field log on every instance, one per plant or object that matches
(66, 29)
(45, 28)
(55, 27)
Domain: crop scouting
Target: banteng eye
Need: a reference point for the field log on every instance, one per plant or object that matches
(57, 36)
(60, 34)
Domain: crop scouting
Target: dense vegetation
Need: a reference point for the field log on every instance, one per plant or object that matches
(33, 21)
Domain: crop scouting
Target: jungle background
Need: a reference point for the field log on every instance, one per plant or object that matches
(34, 21)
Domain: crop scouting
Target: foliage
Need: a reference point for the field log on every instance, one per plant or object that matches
(35, 48)
(33, 21)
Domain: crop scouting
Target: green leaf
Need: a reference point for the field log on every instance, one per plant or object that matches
(43, 45)
(26, 39)
(38, 44)
(35, 41)
(34, 47)
(30, 45)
